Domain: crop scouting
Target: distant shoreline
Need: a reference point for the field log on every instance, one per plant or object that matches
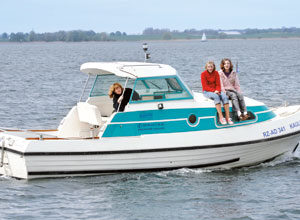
(159, 40)
(151, 34)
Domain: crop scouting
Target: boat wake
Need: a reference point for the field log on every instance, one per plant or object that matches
(182, 172)
(4, 178)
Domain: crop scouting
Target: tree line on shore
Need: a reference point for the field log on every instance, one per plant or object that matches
(148, 34)
(68, 36)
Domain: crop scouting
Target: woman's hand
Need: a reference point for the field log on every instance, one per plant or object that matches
(217, 92)
(120, 99)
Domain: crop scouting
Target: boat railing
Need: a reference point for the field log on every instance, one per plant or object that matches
(40, 133)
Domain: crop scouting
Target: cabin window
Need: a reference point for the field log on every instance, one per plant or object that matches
(103, 82)
(160, 89)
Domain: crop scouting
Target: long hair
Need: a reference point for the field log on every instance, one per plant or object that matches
(212, 63)
(112, 88)
(223, 63)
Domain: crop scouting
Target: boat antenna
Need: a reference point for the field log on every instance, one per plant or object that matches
(147, 54)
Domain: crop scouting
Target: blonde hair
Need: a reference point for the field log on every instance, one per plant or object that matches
(112, 88)
(223, 63)
(210, 63)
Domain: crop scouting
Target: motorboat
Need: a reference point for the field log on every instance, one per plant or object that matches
(168, 127)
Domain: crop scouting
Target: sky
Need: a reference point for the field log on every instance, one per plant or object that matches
(133, 16)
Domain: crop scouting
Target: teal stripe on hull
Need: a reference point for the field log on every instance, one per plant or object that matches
(178, 121)
(169, 114)
(136, 129)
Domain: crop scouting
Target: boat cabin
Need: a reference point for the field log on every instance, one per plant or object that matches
(152, 82)
(164, 104)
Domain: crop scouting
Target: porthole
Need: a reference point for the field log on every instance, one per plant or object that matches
(192, 119)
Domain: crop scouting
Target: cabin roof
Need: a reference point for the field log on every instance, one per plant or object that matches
(128, 69)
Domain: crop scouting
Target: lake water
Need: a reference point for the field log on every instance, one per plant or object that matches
(40, 82)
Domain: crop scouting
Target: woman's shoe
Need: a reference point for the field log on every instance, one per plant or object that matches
(222, 121)
(230, 121)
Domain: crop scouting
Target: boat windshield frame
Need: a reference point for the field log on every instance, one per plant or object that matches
(161, 94)
(103, 88)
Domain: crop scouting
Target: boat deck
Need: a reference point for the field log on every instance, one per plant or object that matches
(32, 134)
(37, 134)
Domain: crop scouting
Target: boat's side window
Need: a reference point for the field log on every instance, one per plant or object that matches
(160, 89)
(102, 83)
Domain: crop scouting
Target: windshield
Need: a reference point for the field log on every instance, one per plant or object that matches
(160, 88)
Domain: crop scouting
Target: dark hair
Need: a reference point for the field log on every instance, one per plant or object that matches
(223, 62)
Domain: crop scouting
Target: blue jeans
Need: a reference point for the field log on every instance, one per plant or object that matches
(217, 98)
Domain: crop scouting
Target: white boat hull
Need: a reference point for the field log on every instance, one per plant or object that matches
(29, 167)
(218, 149)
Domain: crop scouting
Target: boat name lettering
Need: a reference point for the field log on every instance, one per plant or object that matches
(295, 124)
(151, 126)
(146, 115)
(274, 131)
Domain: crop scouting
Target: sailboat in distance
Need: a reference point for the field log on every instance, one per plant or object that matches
(203, 39)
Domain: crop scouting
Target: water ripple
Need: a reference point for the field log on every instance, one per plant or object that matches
(40, 82)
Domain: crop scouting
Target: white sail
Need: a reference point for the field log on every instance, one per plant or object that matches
(203, 37)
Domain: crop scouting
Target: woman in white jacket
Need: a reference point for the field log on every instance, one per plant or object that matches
(231, 86)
